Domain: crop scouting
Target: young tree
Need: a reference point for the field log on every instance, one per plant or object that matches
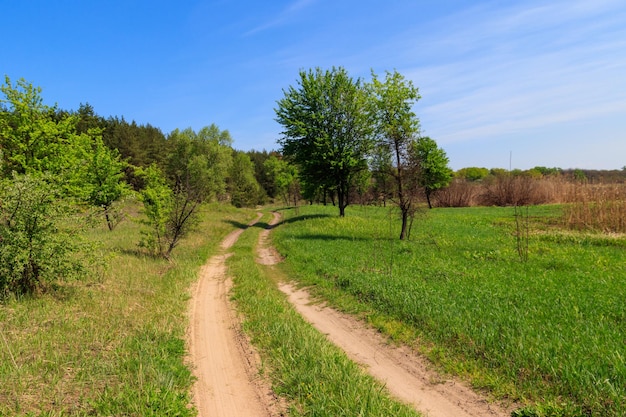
(158, 201)
(433, 172)
(105, 178)
(35, 250)
(396, 128)
(283, 177)
(326, 129)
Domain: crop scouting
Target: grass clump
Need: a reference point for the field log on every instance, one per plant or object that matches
(305, 368)
(547, 332)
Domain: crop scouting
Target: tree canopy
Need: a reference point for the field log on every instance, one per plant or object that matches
(326, 129)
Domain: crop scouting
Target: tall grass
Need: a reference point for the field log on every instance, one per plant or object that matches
(113, 344)
(548, 332)
(597, 207)
(314, 376)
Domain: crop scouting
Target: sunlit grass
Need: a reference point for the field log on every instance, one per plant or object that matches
(113, 344)
(548, 331)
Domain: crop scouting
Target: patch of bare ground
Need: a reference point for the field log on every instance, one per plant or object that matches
(225, 365)
(405, 374)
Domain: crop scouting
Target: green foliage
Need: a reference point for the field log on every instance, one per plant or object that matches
(140, 145)
(243, 187)
(35, 138)
(326, 129)
(105, 178)
(472, 173)
(158, 200)
(433, 171)
(38, 243)
(284, 178)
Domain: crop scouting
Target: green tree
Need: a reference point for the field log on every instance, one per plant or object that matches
(433, 172)
(326, 129)
(105, 178)
(283, 177)
(472, 173)
(244, 189)
(396, 127)
(158, 202)
(196, 171)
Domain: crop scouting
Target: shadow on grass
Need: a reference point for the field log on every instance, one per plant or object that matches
(236, 224)
(320, 236)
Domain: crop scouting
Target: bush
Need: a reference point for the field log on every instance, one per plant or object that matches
(35, 250)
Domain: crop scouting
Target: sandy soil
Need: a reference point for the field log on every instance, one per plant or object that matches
(226, 367)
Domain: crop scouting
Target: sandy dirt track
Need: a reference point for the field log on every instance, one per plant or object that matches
(226, 367)
(227, 382)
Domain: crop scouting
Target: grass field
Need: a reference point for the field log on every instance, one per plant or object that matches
(114, 344)
(547, 331)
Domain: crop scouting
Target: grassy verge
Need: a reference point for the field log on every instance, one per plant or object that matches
(114, 344)
(548, 331)
(315, 376)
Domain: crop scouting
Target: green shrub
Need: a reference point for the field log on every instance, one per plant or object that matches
(35, 250)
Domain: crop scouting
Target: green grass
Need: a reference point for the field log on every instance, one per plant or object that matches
(549, 332)
(113, 344)
(315, 377)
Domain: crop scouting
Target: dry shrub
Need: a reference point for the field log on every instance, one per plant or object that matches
(460, 193)
(511, 191)
(600, 207)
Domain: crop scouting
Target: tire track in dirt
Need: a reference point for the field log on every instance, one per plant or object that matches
(228, 384)
(406, 375)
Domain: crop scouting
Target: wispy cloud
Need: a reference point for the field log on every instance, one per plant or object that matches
(521, 69)
(284, 16)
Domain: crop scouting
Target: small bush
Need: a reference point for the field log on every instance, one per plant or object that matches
(35, 250)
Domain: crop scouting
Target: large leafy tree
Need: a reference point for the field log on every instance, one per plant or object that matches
(433, 172)
(326, 129)
(397, 127)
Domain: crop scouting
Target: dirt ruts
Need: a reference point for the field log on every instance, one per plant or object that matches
(225, 365)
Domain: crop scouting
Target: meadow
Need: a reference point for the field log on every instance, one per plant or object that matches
(546, 331)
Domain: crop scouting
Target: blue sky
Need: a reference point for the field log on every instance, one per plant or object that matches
(526, 83)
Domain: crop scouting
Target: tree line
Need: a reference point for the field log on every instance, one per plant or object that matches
(57, 165)
(60, 169)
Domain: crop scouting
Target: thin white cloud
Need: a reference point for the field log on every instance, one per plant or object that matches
(514, 70)
(285, 15)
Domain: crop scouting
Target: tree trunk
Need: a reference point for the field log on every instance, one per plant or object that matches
(428, 192)
(405, 222)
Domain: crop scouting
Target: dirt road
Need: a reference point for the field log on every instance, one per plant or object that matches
(227, 382)
(226, 367)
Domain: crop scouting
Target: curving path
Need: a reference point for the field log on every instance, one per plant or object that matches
(227, 382)
(226, 369)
